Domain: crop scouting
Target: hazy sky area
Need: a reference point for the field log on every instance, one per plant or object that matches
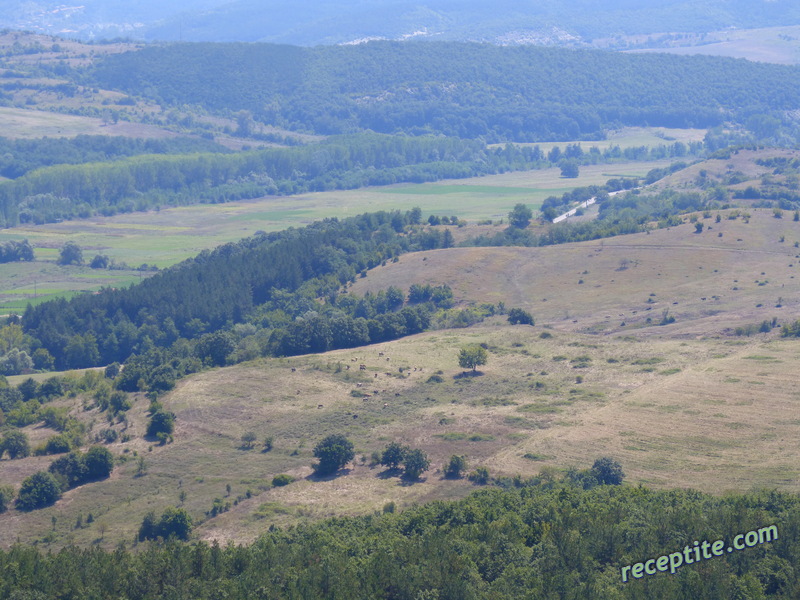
(313, 22)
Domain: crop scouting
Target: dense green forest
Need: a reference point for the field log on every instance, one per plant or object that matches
(543, 540)
(456, 89)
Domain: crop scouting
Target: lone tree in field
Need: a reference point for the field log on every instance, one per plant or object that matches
(248, 439)
(70, 254)
(415, 463)
(471, 357)
(334, 452)
(607, 471)
(569, 168)
(520, 217)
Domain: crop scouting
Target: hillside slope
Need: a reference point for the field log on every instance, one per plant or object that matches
(732, 273)
(687, 404)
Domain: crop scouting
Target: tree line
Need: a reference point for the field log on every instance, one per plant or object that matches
(143, 181)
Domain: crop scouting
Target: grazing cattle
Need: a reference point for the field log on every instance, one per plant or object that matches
(359, 384)
(385, 405)
(320, 406)
(375, 392)
(355, 416)
(362, 367)
(293, 369)
(387, 358)
(380, 353)
(347, 367)
(376, 376)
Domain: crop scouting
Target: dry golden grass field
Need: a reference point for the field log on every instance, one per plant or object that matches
(682, 405)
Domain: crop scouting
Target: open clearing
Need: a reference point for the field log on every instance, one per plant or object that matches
(26, 123)
(779, 45)
(687, 404)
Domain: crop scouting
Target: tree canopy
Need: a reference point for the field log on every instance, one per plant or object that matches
(471, 357)
(520, 217)
(333, 453)
(37, 491)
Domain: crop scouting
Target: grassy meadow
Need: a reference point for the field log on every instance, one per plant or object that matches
(779, 45)
(631, 137)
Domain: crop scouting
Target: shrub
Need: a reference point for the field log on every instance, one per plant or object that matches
(99, 463)
(37, 491)
(6, 496)
(161, 422)
(77, 468)
(517, 316)
(479, 476)
(415, 462)
(174, 522)
(456, 467)
(57, 444)
(282, 480)
(248, 439)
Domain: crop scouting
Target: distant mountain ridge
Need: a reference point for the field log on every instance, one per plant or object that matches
(315, 22)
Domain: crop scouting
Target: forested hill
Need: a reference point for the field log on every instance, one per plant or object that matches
(465, 90)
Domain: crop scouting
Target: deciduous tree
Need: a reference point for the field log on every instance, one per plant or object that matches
(472, 357)
(333, 452)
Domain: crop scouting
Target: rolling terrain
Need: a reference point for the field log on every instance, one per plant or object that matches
(686, 404)
(169, 235)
